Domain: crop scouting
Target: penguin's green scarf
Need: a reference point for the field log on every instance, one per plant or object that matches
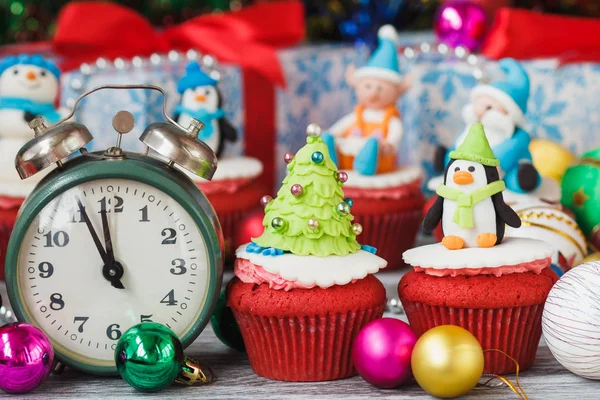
(465, 202)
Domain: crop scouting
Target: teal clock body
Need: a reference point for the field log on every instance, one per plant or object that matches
(104, 243)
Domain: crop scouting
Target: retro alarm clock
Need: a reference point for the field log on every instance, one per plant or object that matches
(111, 239)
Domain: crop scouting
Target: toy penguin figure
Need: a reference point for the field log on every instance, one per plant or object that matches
(28, 88)
(470, 203)
(202, 100)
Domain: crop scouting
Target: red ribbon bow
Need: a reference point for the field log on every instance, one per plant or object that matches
(248, 38)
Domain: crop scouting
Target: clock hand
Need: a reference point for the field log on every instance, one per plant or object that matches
(113, 269)
(110, 270)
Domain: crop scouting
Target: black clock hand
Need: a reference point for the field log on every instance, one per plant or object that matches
(110, 270)
(115, 269)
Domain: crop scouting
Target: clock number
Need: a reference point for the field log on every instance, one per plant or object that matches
(74, 214)
(145, 318)
(171, 236)
(46, 269)
(118, 204)
(169, 299)
(56, 302)
(144, 211)
(83, 320)
(113, 332)
(59, 239)
(180, 268)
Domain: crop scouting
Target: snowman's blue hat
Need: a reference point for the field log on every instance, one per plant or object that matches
(512, 91)
(194, 77)
(383, 63)
(27, 59)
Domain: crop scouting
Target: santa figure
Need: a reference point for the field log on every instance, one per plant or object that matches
(501, 106)
(367, 140)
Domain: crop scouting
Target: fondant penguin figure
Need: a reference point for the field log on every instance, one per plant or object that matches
(28, 88)
(202, 100)
(470, 203)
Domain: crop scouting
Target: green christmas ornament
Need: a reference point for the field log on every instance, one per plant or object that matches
(149, 357)
(313, 224)
(225, 326)
(581, 194)
(278, 223)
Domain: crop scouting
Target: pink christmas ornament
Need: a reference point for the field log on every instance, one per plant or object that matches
(382, 350)
(460, 23)
(26, 357)
(265, 200)
(296, 189)
(288, 157)
(342, 176)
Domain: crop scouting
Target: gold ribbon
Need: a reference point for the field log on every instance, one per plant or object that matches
(518, 389)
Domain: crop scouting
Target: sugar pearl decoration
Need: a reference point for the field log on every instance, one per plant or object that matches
(317, 157)
(349, 201)
(343, 208)
(357, 228)
(313, 224)
(288, 157)
(266, 199)
(278, 223)
(313, 130)
(342, 176)
(296, 189)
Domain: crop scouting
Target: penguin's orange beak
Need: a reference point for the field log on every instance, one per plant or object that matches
(463, 178)
(200, 98)
(31, 75)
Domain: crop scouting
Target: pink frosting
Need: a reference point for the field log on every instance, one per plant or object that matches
(225, 185)
(533, 266)
(249, 272)
(395, 193)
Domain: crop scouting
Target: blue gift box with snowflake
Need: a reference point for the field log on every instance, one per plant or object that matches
(97, 110)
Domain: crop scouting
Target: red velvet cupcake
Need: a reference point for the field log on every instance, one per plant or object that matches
(303, 289)
(389, 208)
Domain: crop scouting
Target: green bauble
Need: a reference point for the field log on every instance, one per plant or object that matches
(581, 193)
(149, 356)
(225, 326)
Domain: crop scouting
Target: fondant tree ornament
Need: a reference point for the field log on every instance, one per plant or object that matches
(367, 140)
(501, 106)
(317, 222)
(470, 203)
(202, 100)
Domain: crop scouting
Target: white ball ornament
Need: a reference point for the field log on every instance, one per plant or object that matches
(571, 320)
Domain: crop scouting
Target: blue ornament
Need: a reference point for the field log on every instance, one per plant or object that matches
(360, 25)
(349, 201)
(317, 157)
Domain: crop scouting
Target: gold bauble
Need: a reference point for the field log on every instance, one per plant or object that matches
(591, 257)
(550, 158)
(447, 361)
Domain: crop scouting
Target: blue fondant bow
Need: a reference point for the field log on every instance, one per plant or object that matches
(204, 116)
(46, 110)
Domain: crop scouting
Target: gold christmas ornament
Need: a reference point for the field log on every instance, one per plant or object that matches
(447, 361)
(313, 224)
(357, 228)
(550, 158)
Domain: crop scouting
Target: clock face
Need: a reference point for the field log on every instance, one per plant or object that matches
(68, 289)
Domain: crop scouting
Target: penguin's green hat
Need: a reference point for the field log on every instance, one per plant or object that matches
(476, 148)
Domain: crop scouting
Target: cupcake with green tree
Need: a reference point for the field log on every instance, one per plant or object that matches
(304, 288)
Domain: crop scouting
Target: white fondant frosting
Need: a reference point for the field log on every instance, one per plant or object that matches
(320, 271)
(552, 225)
(512, 251)
(549, 190)
(234, 168)
(401, 176)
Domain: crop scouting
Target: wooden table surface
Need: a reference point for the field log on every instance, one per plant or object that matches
(236, 380)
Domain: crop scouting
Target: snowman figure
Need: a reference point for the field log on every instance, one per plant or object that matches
(470, 203)
(202, 100)
(28, 88)
(368, 139)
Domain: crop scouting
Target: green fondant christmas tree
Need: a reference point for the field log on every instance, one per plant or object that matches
(310, 216)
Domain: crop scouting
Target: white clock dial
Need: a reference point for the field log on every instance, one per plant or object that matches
(60, 269)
